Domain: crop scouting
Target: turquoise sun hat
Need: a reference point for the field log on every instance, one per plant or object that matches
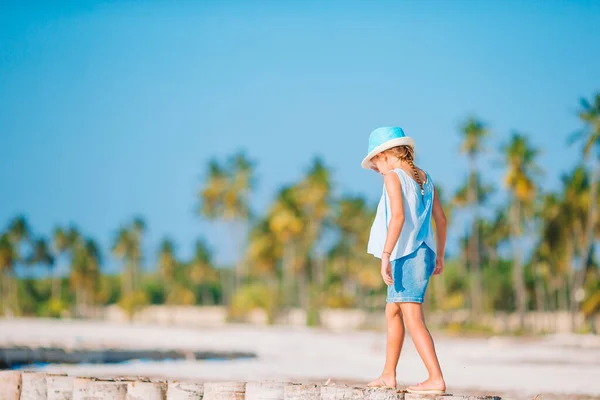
(385, 138)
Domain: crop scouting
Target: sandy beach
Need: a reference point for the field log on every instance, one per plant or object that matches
(519, 367)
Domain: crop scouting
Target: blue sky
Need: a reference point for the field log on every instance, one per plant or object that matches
(112, 109)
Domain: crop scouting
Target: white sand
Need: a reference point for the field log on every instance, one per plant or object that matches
(554, 364)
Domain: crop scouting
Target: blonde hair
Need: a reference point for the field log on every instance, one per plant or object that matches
(406, 154)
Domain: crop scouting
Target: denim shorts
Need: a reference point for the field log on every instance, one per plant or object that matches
(411, 275)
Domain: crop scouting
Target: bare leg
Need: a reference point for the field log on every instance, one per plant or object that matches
(415, 322)
(394, 342)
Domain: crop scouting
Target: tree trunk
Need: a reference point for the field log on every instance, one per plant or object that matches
(234, 236)
(463, 272)
(564, 296)
(206, 300)
(77, 301)
(518, 280)
(136, 274)
(126, 280)
(476, 304)
(12, 294)
(318, 275)
(540, 293)
(439, 289)
(56, 285)
(304, 286)
(3, 293)
(464, 258)
(227, 282)
(287, 273)
(579, 277)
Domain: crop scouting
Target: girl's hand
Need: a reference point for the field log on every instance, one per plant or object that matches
(439, 265)
(386, 269)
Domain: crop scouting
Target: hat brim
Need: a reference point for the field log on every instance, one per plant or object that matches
(403, 141)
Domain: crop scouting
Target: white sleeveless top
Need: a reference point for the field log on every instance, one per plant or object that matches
(417, 228)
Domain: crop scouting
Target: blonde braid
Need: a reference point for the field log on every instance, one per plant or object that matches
(416, 174)
(406, 153)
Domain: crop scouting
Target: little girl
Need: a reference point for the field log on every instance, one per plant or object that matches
(402, 236)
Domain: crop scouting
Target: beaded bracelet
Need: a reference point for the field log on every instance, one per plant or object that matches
(388, 252)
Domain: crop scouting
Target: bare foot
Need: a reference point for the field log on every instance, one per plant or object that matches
(383, 381)
(435, 385)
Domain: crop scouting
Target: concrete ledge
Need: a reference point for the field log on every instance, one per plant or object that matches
(30, 385)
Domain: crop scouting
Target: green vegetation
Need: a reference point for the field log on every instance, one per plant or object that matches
(534, 252)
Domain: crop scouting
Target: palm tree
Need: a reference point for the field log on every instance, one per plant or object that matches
(19, 234)
(554, 248)
(167, 263)
(138, 228)
(285, 220)
(462, 200)
(439, 283)
(474, 132)
(128, 248)
(8, 257)
(18, 230)
(494, 232)
(177, 291)
(575, 211)
(41, 254)
(200, 270)
(212, 194)
(61, 245)
(353, 217)
(562, 235)
(264, 250)
(313, 198)
(590, 116)
(225, 196)
(85, 271)
(520, 181)
(121, 250)
(538, 261)
(237, 206)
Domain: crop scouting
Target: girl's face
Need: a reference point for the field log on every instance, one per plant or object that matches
(381, 163)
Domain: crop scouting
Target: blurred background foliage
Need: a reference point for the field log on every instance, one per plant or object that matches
(534, 251)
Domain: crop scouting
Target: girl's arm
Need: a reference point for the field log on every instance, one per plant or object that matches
(439, 217)
(394, 190)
